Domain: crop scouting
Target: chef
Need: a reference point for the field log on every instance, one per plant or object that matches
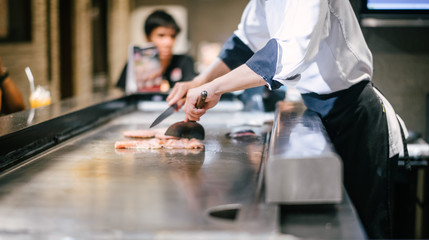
(317, 47)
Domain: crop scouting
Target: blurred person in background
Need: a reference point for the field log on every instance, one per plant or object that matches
(11, 99)
(161, 29)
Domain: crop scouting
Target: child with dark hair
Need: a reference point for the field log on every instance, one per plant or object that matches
(160, 18)
(161, 29)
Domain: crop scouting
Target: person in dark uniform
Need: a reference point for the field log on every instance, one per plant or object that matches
(161, 29)
(317, 47)
(11, 99)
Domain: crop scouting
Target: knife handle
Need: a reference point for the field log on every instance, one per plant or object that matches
(201, 100)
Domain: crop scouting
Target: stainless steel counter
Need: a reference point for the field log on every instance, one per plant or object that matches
(302, 155)
(22, 120)
(79, 187)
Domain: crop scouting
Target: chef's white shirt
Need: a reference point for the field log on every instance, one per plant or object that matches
(320, 40)
(315, 46)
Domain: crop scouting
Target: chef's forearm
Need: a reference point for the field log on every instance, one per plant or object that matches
(240, 78)
(216, 69)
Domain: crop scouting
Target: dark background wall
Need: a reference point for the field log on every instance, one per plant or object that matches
(401, 70)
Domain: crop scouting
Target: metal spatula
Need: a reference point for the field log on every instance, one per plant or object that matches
(189, 129)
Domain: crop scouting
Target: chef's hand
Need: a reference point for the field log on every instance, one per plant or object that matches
(194, 114)
(178, 93)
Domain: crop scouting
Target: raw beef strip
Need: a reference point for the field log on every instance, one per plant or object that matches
(142, 133)
(155, 143)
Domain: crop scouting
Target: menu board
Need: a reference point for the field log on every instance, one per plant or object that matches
(144, 73)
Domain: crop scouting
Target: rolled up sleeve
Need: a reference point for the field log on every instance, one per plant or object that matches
(234, 52)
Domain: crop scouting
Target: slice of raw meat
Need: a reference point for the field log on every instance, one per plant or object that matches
(183, 143)
(155, 143)
(148, 133)
(152, 143)
(141, 133)
(194, 143)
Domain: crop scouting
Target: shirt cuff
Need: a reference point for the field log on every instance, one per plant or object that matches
(234, 52)
(264, 63)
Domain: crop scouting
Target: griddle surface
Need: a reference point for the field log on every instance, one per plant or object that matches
(84, 187)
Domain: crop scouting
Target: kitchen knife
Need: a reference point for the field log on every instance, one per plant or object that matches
(170, 110)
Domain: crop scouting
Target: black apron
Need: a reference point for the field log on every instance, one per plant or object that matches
(357, 125)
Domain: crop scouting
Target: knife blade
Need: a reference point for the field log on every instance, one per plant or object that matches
(170, 110)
